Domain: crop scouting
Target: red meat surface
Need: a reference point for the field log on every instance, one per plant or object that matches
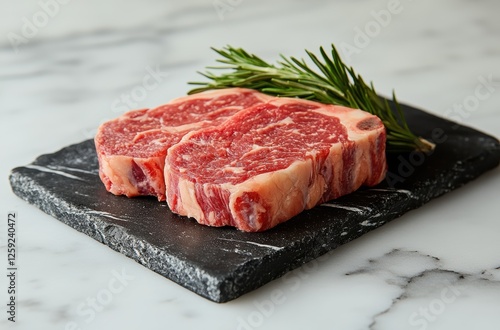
(272, 160)
(132, 148)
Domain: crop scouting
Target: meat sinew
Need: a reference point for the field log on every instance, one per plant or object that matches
(132, 148)
(269, 162)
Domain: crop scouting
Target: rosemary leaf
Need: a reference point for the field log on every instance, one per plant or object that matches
(334, 83)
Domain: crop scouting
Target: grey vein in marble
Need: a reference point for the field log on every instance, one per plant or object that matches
(425, 287)
(74, 68)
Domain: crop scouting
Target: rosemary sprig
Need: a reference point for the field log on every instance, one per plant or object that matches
(335, 83)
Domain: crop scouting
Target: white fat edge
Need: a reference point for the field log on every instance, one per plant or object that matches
(211, 217)
(279, 101)
(158, 142)
(128, 115)
(183, 128)
(312, 152)
(138, 135)
(349, 117)
(233, 169)
(221, 92)
(158, 185)
(332, 136)
(285, 121)
(259, 180)
(238, 190)
(336, 162)
(362, 162)
(262, 180)
(255, 148)
(343, 113)
(117, 169)
(187, 196)
(208, 192)
(310, 145)
(49, 170)
(206, 95)
(184, 138)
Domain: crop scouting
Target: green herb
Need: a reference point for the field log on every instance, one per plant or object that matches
(335, 83)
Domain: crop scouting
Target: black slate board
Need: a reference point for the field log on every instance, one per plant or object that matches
(222, 263)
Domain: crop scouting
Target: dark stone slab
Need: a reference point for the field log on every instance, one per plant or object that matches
(222, 263)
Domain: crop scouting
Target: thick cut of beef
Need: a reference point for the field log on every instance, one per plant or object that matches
(271, 161)
(131, 149)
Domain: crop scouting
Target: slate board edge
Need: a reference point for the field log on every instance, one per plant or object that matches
(24, 187)
(408, 204)
(224, 288)
(212, 287)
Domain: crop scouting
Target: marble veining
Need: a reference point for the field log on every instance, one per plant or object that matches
(402, 191)
(106, 214)
(434, 268)
(72, 169)
(54, 171)
(267, 246)
(426, 277)
(348, 208)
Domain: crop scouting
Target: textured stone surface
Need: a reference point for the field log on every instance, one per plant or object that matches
(223, 263)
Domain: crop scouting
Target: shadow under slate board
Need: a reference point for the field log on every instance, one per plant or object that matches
(222, 264)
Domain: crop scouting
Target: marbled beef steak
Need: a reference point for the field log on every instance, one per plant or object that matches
(132, 147)
(222, 264)
(269, 162)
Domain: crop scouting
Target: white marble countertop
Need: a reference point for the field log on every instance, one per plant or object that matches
(66, 66)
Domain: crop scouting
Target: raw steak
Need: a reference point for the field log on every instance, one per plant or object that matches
(271, 161)
(132, 148)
